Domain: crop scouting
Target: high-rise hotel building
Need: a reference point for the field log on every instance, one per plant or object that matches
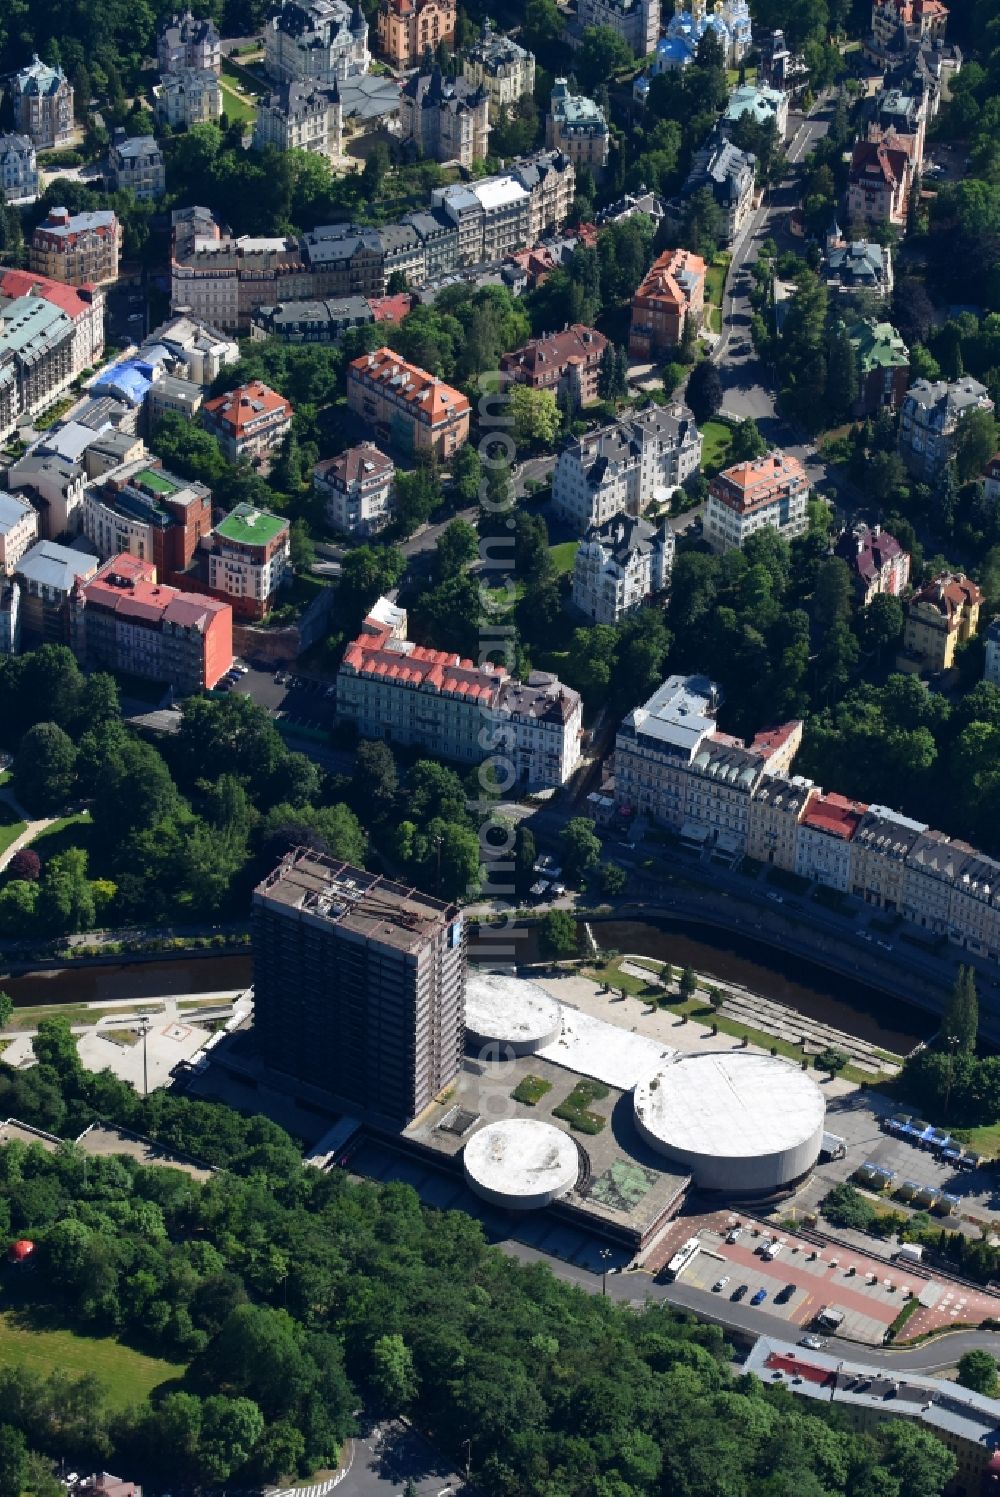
(359, 984)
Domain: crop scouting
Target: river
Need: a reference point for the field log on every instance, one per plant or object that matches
(809, 990)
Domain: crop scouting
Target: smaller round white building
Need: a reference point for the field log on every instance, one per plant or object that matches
(521, 1164)
(509, 1011)
(744, 1124)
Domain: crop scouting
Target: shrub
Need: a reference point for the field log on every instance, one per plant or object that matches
(25, 864)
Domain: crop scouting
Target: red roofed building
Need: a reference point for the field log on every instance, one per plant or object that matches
(412, 410)
(673, 291)
(123, 620)
(778, 746)
(83, 305)
(878, 184)
(877, 561)
(390, 688)
(247, 421)
(768, 491)
(567, 363)
(79, 249)
(103, 1484)
(823, 844)
(537, 264)
(391, 308)
(921, 18)
(941, 616)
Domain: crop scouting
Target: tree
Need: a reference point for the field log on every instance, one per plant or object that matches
(702, 230)
(581, 849)
(392, 1374)
(365, 573)
(536, 416)
(55, 1047)
(6, 1009)
(978, 1370)
(557, 936)
(13, 1461)
(376, 778)
(834, 593)
(25, 864)
(602, 54)
(45, 768)
(466, 474)
(917, 1460)
(748, 442)
(613, 378)
(66, 898)
(525, 854)
(961, 1015)
(976, 440)
(688, 985)
(543, 24)
(704, 391)
(457, 545)
(613, 878)
(302, 549)
(375, 169)
(841, 374)
(882, 623)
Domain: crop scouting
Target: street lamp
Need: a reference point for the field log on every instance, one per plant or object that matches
(144, 1027)
(468, 1457)
(605, 1254)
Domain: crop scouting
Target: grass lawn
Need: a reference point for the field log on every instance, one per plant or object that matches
(563, 554)
(984, 1140)
(66, 832)
(10, 827)
(128, 1376)
(575, 1110)
(718, 439)
(73, 1013)
(236, 105)
(530, 1090)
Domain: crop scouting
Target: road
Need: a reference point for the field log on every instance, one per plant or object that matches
(384, 1456)
(932, 1356)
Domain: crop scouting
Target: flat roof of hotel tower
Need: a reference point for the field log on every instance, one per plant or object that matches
(366, 904)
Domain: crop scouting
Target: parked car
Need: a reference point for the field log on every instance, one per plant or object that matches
(784, 1295)
(720, 1284)
(734, 1234)
(814, 1343)
(739, 1293)
(772, 1250)
(759, 1297)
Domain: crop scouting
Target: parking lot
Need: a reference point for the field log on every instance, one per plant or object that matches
(299, 700)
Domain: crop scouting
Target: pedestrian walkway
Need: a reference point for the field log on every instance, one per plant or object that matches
(32, 829)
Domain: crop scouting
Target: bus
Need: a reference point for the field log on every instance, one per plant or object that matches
(684, 1256)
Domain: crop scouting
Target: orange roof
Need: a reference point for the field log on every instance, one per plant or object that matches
(556, 350)
(744, 486)
(245, 404)
(949, 594)
(73, 300)
(391, 308)
(126, 586)
(664, 280)
(423, 391)
(372, 654)
(835, 815)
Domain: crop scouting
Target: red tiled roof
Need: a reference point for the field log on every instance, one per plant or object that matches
(873, 158)
(391, 308)
(124, 586)
(73, 300)
(759, 481)
(661, 283)
(371, 655)
(795, 1366)
(949, 594)
(244, 404)
(556, 350)
(834, 814)
(415, 385)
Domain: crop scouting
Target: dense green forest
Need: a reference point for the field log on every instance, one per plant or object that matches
(296, 1297)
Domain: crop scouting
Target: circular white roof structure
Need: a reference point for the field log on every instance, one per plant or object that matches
(521, 1164)
(510, 1011)
(743, 1123)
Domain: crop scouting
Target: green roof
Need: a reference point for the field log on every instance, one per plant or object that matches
(157, 481)
(879, 346)
(250, 527)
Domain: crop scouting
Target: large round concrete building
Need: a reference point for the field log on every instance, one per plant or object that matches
(744, 1124)
(509, 1012)
(521, 1164)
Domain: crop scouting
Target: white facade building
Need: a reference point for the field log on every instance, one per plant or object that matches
(357, 489)
(18, 530)
(316, 41)
(991, 671)
(619, 565)
(18, 169)
(300, 117)
(501, 66)
(770, 491)
(191, 96)
(624, 467)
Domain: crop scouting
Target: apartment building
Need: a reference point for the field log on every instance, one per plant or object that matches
(36, 358)
(135, 164)
(122, 619)
(880, 847)
(18, 530)
(619, 565)
(567, 363)
(671, 295)
(576, 126)
(410, 29)
(43, 105)
(991, 480)
(345, 260)
(437, 234)
(501, 66)
(408, 408)
(920, 19)
(188, 96)
(857, 266)
(168, 396)
(402, 252)
(392, 689)
(728, 174)
(141, 510)
(55, 487)
(357, 489)
(549, 179)
(248, 421)
(768, 491)
(249, 559)
(80, 249)
(83, 305)
(877, 561)
(625, 467)
(195, 350)
(446, 118)
(47, 575)
(300, 116)
(943, 614)
(966, 1423)
(359, 985)
(883, 365)
(637, 22)
(188, 42)
(777, 807)
(929, 421)
(895, 112)
(18, 169)
(991, 668)
(823, 844)
(879, 180)
(310, 321)
(758, 103)
(315, 41)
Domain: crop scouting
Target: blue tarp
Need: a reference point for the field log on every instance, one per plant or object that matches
(130, 381)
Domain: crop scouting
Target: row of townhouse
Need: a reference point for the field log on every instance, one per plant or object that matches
(674, 767)
(390, 688)
(227, 280)
(624, 467)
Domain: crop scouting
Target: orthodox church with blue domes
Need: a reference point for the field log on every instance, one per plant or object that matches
(729, 19)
